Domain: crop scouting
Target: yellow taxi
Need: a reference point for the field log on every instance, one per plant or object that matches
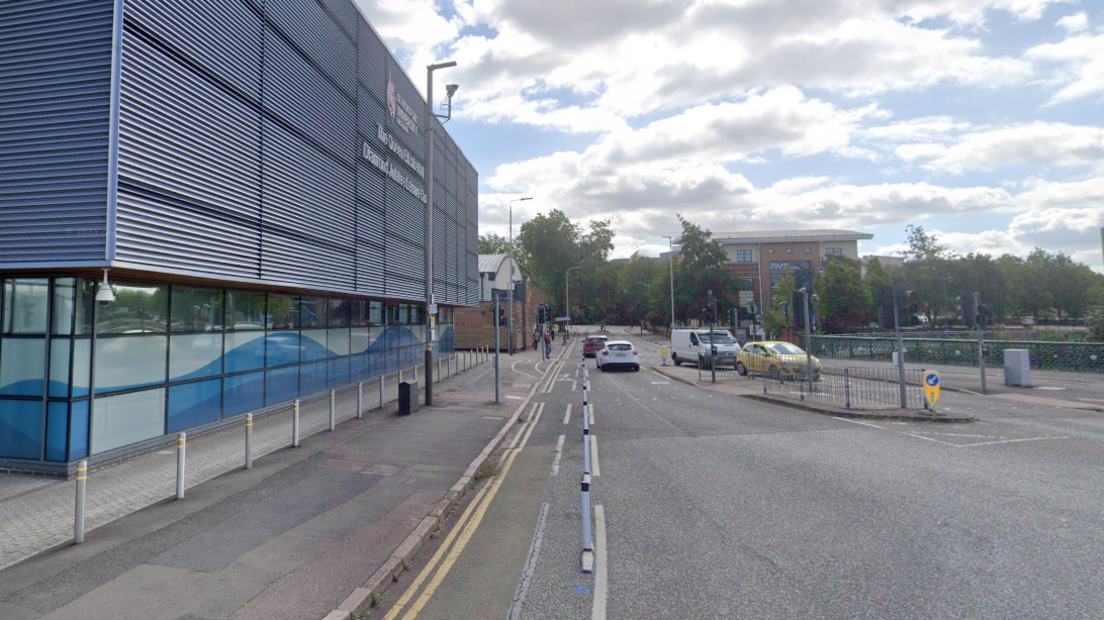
(776, 360)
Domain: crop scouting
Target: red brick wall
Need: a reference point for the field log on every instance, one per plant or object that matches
(475, 327)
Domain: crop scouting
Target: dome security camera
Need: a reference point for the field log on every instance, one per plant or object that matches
(104, 295)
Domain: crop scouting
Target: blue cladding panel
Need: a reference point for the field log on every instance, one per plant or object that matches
(193, 404)
(296, 92)
(55, 78)
(243, 393)
(20, 429)
(189, 179)
(230, 47)
(314, 32)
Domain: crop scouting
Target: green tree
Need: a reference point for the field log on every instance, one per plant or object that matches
(550, 242)
(781, 315)
(844, 304)
(701, 268)
(493, 244)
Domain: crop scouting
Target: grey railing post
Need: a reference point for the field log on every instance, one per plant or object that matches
(381, 391)
(181, 442)
(78, 518)
(360, 399)
(249, 441)
(333, 405)
(295, 424)
(847, 386)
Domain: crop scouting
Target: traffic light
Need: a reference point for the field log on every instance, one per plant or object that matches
(501, 315)
(983, 314)
(798, 310)
(967, 308)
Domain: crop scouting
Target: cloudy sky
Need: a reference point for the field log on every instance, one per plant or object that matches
(981, 120)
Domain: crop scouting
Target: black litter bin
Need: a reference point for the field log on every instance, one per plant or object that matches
(408, 397)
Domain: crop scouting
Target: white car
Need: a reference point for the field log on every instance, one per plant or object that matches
(618, 353)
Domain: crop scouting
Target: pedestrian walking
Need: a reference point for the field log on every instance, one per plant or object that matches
(548, 344)
(536, 338)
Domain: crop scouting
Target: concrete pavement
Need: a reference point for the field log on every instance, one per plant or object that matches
(293, 537)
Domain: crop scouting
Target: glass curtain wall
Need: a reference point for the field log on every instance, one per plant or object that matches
(169, 358)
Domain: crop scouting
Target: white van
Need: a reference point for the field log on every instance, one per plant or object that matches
(692, 346)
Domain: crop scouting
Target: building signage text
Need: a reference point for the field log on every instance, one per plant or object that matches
(395, 172)
(400, 111)
(398, 149)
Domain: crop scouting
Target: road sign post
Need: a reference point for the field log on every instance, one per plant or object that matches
(931, 389)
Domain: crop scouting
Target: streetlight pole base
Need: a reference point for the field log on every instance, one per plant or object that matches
(428, 375)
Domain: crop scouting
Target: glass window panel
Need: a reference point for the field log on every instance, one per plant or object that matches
(243, 393)
(281, 385)
(338, 372)
(338, 342)
(57, 431)
(312, 312)
(126, 363)
(359, 368)
(312, 378)
(64, 303)
(244, 351)
(358, 312)
(25, 303)
(196, 310)
(85, 306)
(337, 313)
(246, 311)
(21, 429)
(193, 404)
(195, 356)
(314, 345)
(360, 338)
(78, 430)
(59, 368)
(119, 421)
(282, 348)
(283, 312)
(137, 310)
(375, 313)
(82, 367)
(22, 366)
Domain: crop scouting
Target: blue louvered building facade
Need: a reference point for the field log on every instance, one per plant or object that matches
(253, 175)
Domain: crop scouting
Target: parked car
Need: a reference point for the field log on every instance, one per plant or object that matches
(593, 344)
(618, 353)
(777, 360)
(693, 346)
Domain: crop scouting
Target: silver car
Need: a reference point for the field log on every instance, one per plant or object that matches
(618, 353)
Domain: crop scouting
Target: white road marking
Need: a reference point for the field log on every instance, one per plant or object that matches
(661, 383)
(595, 470)
(601, 583)
(559, 453)
(567, 415)
(1049, 388)
(530, 566)
(574, 385)
(513, 367)
(856, 422)
(512, 397)
(591, 408)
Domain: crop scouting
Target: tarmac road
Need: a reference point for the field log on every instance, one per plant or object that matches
(714, 506)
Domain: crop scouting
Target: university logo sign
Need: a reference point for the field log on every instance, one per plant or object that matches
(399, 110)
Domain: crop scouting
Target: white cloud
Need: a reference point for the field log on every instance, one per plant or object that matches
(1038, 144)
(1075, 64)
(1075, 23)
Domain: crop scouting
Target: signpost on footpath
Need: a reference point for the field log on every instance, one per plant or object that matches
(931, 389)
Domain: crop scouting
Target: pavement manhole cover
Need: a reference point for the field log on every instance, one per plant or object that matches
(382, 470)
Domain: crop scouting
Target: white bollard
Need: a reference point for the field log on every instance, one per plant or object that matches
(295, 424)
(587, 560)
(249, 441)
(181, 441)
(333, 405)
(78, 518)
(360, 399)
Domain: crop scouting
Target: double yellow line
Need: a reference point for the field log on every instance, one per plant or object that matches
(463, 531)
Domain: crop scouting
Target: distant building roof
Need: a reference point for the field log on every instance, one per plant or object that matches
(782, 236)
(490, 263)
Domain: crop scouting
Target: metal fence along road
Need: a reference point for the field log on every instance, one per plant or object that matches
(1059, 356)
(853, 387)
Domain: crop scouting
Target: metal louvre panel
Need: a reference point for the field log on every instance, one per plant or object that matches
(371, 222)
(345, 14)
(230, 47)
(296, 92)
(55, 79)
(181, 133)
(415, 141)
(306, 191)
(370, 260)
(315, 33)
(371, 185)
(370, 112)
(288, 258)
(373, 59)
(405, 215)
(157, 230)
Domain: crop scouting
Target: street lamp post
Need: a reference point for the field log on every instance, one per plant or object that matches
(671, 261)
(567, 295)
(510, 287)
(429, 318)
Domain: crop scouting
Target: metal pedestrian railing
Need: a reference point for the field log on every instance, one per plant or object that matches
(854, 387)
(1056, 356)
